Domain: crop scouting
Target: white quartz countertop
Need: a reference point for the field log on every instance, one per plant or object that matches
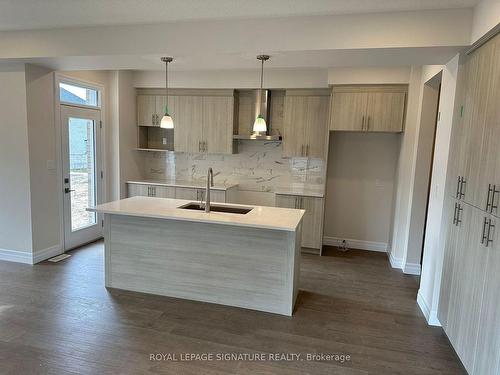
(304, 192)
(286, 219)
(183, 183)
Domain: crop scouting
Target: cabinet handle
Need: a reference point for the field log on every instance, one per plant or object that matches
(488, 239)
(483, 236)
(457, 195)
(494, 192)
(368, 123)
(488, 205)
(459, 210)
(301, 202)
(199, 146)
(462, 183)
(307, 150)
(204, 146)
(455, 215)
(363, 123)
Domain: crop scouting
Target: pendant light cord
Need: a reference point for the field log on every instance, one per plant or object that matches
(166, 79)
(261, 73)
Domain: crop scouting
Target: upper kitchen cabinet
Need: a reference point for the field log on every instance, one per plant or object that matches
(368, 108)
(305, 125)
(203, 119)
(218, 124)
(147, 114)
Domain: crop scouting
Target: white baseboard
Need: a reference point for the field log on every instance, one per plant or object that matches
(395, 262)
(408, 268)
(356, 244)
(16, 256)
(412, 269)
(430, 315)
(47, 253)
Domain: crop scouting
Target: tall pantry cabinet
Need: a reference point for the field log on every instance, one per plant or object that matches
(469, 306)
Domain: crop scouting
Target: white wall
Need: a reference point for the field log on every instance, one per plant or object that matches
(430, 282)
(369, 75)
(359, 188)
(273, 78)
(42, 151)
(15, 205)
(486, 16)
(423, 161)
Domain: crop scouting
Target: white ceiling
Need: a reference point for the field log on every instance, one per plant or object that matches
(47, 14)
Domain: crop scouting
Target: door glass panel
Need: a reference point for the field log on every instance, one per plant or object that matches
(82, 171)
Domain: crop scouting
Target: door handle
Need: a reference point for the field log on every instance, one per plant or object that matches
(68, 190)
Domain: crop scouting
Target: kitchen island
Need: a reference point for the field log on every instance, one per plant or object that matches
(247, 256)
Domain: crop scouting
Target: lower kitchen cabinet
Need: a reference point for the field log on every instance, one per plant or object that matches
(312, 224)
(197, 194)
(145, 190)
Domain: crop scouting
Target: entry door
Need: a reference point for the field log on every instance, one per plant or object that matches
(81, 159)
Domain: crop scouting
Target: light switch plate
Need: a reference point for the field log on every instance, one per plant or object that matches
(51, 165)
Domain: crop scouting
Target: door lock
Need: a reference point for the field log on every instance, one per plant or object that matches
(68, 190)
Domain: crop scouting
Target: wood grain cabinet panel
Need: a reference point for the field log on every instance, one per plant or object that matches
(305, 125)
(348, 111)
(188, 131)
(368, 108)
(146, 110)
(469, 307)
(218, 124)
(385, 112)
(312, 223)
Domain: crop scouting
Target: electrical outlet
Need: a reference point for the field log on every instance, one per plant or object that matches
(164, 141)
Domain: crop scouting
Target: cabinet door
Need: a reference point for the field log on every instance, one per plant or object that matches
(312, 225)
(488, 339)
(187, 122)
(466, 296)
(165, 192)
(186, 193)
(317, 126)
(448, 275)
(348, 111)
(295, 125)
(479, 105)
(146, 110)
(286, 201)
(385, 111)
(134, 190)
(218, 124)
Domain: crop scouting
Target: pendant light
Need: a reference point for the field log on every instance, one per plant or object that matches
(166, 120)
(260, 126)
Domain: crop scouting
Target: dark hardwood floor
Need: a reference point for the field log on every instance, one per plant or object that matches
(58, 319)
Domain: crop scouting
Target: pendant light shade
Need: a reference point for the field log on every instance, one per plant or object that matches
(259, 125)
(166, 121)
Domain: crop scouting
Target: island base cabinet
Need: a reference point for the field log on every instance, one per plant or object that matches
(312, 223)
(246, 267)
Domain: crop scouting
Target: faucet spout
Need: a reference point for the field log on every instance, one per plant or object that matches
(210, 182)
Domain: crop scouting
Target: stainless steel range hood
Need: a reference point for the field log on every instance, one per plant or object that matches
(261, 105)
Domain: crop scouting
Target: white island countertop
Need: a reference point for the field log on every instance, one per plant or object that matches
(263, 217)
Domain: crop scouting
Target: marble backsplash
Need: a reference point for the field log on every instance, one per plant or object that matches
(258, 166)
